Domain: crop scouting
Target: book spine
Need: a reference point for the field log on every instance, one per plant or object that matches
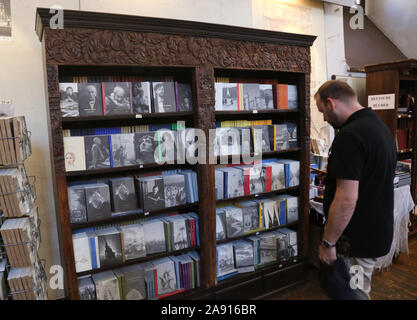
(111, 151)
(176, 96)
(246, 181)
(93, 253)
(103, 92)
(268, 179)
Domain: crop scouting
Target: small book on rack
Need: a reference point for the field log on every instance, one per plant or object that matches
(90, 99)
(123, 194)
(107, 286)
(154, 236)
(134, 282)
(97, 201)
(74, 153)
(117, 98)
(184, 97)
(145, 146)
(69, 99)
(86, 288)
(123, 150)
(97, 152)
(164, 97)
(243, 255)
(109, 247)
(226, 96)
(141, 97)
(77, 204)
(133, 241)
(225, 261)
(152, 194)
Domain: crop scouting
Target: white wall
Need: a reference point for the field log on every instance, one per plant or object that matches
(397, 20)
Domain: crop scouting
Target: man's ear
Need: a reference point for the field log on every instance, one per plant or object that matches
(331, 103)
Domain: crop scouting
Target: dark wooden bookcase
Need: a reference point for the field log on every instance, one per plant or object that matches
(97, 43)
(399, 77)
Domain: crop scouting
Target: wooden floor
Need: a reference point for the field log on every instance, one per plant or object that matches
(398, 283)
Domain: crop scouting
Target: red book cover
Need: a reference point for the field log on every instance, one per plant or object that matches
(155, 277)
(192, 232)
(282, 96)
(402, 139)
(170, 294)
(246, 181)
(268, 179)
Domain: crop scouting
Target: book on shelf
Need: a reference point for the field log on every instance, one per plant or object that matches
(109, 247)
(226, 96)
(252, 220)
(243, 255)
(90, 97)
(234, 221)
(123, 194)
(133, 241)
(164, 97)
(134, 282)
(225, 261)
(117, 97)
(107, 286)
(97, 151)
(154, 236)
(86, 288)
(97, 201)
(141, 97)
(184, 97)
(220, 224)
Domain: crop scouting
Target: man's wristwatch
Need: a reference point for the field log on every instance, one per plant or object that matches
(326, 244)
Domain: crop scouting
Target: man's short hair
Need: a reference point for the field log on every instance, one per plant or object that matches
(335, 89)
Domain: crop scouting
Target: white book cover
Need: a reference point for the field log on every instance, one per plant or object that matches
(82, 255)
(74, 153)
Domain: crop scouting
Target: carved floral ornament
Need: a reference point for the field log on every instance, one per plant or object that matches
(87, 46)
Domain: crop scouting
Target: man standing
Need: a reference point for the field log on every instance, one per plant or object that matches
(359, 191)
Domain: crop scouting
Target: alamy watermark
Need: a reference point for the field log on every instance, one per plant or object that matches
(57, 20)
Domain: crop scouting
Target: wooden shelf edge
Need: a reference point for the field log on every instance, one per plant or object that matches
(137, 261)
(144, 116)
(252, 112)
(258, 195)
(131, 216)
(287, 225)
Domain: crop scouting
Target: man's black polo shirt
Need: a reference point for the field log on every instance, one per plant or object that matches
(364, 150)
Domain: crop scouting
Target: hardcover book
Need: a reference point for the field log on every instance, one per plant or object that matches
(107, 286)
(141, 97)
(282, 137)
(69, 99)
(97, 152)
(271, 213)
(243, 253)
(225, 259)
(220, 224)
(226, 96)
(266, 145)
(292, 97)
(166, 276)
(82, 256)
(86, 288)
(117, 98)
(252, 99)
(164, 97)
(267, 99)
(77, 204)
(90, 99)
(184, 97)
(134, 282)
(153, 193)
(133, 236)
(267, 248)
(74, 154)
(123, 194)
(109, 247)
(219, 183)
(145, 147)
(174, 187)
(123, 150)
(154, 236)
(98, 202)
(292, 135)
(251, 217)
(234, 221)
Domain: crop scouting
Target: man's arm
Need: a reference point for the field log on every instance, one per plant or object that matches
(340, 213)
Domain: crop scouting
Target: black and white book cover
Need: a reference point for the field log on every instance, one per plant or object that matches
(246, 140)
(82, 257)
(278, 176)
(266, 145)
(154, 236)
(235, 181)
(174, 187)
(292, 135)
(220, 224)
(293, 251)
(86, 288)
(98, 202)
(252, 97)
(225, 259)
(282, 246)
(166, 276)
(292, 209)
(179, 230)
(219, 183)
(282, 137)
(243, 251)
(164, 97)
(292, 97)
(234, 221)
(90, 99)
(110, 247)
(97, 152)
(185, 98)
(250, 210)
(294, 173)
(271, 213)
(123, 194)
(117, 98)
(256, 181)
(133, 241)
(153, 193)
(166, 150)
(77, 204)
(141, 97)
(69, 99)
(267, 98)
(226, 96)
(107, 286)
(187, 146)
(145, 146)
(134, 282)
(267, 248)
(292, 235)
(123, 150)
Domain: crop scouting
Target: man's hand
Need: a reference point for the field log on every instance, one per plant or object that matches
(327, 255)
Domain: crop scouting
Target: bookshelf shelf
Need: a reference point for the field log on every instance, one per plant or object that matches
(134, 215)
(143, 56)
(137, 169)
(139, 260)
(258, 195)
(287, 225)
